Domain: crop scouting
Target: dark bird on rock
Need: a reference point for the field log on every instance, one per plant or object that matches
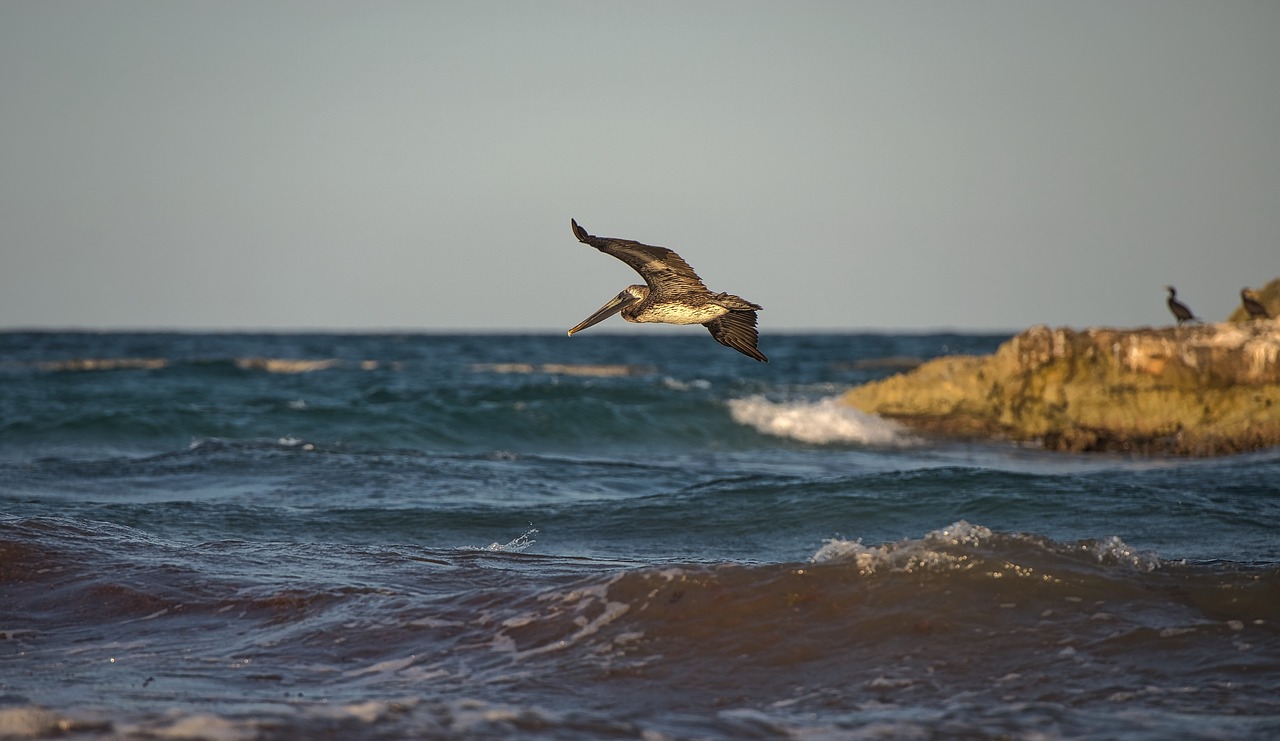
(1252, 306)
(673, 294)
(1179, 309)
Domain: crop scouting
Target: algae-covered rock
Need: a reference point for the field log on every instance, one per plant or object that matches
(1189, 390)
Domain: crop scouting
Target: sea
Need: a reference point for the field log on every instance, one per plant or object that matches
(639, 535)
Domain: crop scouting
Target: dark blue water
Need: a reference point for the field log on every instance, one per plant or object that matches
(609, 536)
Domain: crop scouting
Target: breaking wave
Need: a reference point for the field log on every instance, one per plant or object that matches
(963, 616)
(823, 422)
(957, 546)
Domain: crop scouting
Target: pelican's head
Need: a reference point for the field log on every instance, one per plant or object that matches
(1172, 291)
(629, 296)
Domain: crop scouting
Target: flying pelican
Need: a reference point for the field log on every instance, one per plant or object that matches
(1252, 306)
(673, 294)
(1179, 309)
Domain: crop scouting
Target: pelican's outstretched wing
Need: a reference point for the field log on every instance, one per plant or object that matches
(665, 272)
(737, 329)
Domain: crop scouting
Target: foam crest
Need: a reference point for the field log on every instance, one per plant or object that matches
(906, 557)
(957, 545)
(959, 533)
(824, 421)
(516, 545)
(33, 721)
(1113, 550)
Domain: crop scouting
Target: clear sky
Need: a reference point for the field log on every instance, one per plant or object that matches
(850, 165)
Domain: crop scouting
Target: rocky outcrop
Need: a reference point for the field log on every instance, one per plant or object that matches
(1191, 390)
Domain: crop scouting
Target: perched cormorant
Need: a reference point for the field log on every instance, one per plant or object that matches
(673, 294)
(1179, 309)
(1252, 306)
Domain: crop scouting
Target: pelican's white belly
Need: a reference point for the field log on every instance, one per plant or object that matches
(678, 313)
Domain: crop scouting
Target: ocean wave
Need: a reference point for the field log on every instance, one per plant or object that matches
(962, 616)
(103, 364)
(962, 612)
(33, 721)
(286, 366)
(958, 546)
(824, 421)
(600, 370)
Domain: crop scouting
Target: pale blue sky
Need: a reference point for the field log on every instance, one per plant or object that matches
(849, 165)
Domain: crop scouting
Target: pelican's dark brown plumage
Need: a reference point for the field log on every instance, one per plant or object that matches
(673, 294)
(1179, 309)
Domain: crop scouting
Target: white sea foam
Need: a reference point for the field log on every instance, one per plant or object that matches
(827, 420)
(1114, 550)
(906, 555)
(699, 384)
(518, 545)
(933, 551)
(959, 533)
(32, 722)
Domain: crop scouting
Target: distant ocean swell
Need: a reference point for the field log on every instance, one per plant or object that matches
(454, 414)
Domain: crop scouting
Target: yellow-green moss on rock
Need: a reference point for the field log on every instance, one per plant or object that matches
(1191, 390)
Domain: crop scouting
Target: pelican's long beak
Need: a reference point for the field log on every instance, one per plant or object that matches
(616, 304)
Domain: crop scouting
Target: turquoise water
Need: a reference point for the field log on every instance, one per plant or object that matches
(609, 536)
